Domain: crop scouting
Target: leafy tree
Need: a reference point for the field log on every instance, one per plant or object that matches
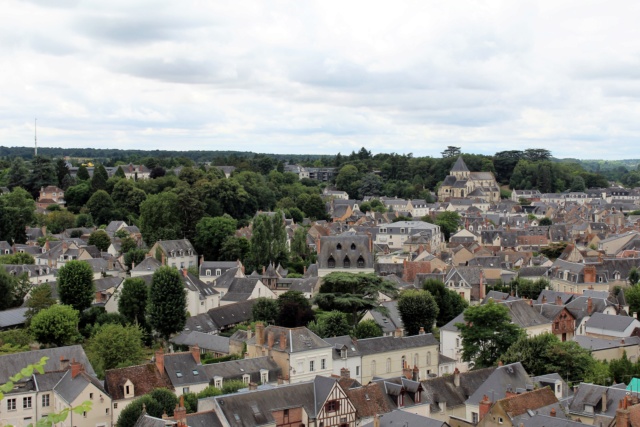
(83, 173)
(332, 324)
(294, 310)
(100, 239)
(40, 298)
(128, 243)
(59, 221)
(114, 345)
(621, 370)
(232, 386)
(211, 234)
(632, 295)
(17, 212)
(265, 309)
(127, 196)
(132, 301)
(417, 309)
(634, 276)
(62, 171)
(451, 151)
(367, 329)
(598, 373)
(546, 353)
(167, 302)
(235, 248)
(119, 173)
(529, 288)
(134, 256)
(299, 247)
(156, 403)
(7, 284)
(18, 258)
(352, 293)
(99, 178)
(84, 220)
(449, 223)
(577, 184)
(313, 206)
(18, 174)
(487, 333)
(75, 285)
(101, 207)
(545, 221)
(450, 304)
(21, 288)
(43, 173)
(269, 240)
(160, 217)
(57, 325)
(537, 154)
(348, 179)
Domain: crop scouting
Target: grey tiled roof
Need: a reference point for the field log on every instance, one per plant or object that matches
(70, 388)
(205, 341)
(10, 364)
(183, 370)
(443, 389)
(236, 369)
(13, 317)
(376, 345)
(608, 322)
(508, 376)
(592, 343)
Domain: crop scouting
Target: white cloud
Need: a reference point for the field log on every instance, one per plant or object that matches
(324, 76)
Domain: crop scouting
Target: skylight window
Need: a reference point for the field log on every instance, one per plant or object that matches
(179, 374)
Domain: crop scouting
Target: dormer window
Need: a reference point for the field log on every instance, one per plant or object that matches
(353, 246)
(208, 273)
(339, 247)
(347, 262)
(331, 263)
(360, 262)
(218, 272)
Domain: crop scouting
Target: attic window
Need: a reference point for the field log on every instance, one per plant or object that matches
(331, 263)
(339, 247)
(353, 246)
(179, 374)
(347, 262)
(361, 262)
(195, 372)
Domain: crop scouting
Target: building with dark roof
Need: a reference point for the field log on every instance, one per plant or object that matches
(346, 252)
(461, 183)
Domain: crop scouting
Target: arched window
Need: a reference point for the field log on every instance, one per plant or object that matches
(388, 365)
(373, 367)
(353, 246)
(331, 263)
(339, 246)
(346, 263)
(360, 262)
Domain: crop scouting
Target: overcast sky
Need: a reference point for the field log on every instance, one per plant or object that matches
(323, 77)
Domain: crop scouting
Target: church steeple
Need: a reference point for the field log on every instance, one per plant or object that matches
(460, 169)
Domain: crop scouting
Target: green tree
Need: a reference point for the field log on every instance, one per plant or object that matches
(59, 220)
(632, 295)
(487, 333)
(134, 256)
(18, 258)
(99, 178)
(450, 303)
(294, 310)
(100, 239)
(211, 234)
(18, 174)
(352, 293)
(232, 386)
(313, 206)
(56, 325)
(449, 223)
(545, 353)
(167, 302)
(43, 173)
(119, 173)
(75, 285)
(348, 179)
(160, 217)
(235, 248)
(83, 173)
(367, 329)
(132, 301)
(127, 196)
(62, 171)
(545, 221)
(417, 309)
(265, 309)
(451, 151)
(128, 243)
(7, 284)
(299, 247)
(40, 298)
(17, 212)
(269, 240)
(101, 207)
(77, 196)
(160, 401)
(114, 345)
(332, 324)
(634, 276)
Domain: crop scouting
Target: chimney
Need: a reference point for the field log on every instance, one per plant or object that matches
(163, 260)
(98, 296)
(635, 314)
(416, 374)
(553, 412)
(64, 363)
(482, 293)
(180, 413)
(456, 377)
(558, 300)
(421, 332)
(509, 392)
(398, 333)
(407, 372)
(376, 420)
(270, 339)
(345, 373)
(283, 340)
(201, 259)
(133, 265)
(544, 299)
(280, 380)
(253, 386)
(249, 333)
(263, 270)
(370, 243)
(185, 272)
(260, 333)
(500, 363)
(604, 402)
(623, 415)
(484, 406)
(76, 368)
(589, 274)
(160, 360)
(589, 306)
(195, 352)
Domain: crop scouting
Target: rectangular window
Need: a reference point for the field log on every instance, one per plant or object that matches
(106, 411)
(357, 371)
(11, 404)
(90, 395)
(474, 417)
(323, 364)
(45, 400)
(332, 406)
(26, 402)
(115, 406)
(311, 366)
(185, 390)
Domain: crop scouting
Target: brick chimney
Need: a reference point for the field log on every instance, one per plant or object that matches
(558, 300)
(415, 374)
(553, 412)
(589, 274)
(270, 339)
(163, 260)
(484, 406)
(604, 401)
(195, 352)
(260, 333)
(345, 373)
(283, 340)
(180, 413)
(185, 272)
(500, 363)
(589, 306)
(253, 386)
(509, 392)
(544, 299)
(201, 259)
(76, 368)
(482, 293)
(398, 333)
(407, 372)
(456, 377)
(160, 360)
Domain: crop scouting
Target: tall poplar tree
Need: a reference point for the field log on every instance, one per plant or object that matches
(167, 302)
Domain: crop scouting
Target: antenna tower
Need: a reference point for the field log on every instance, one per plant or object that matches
(35, 135)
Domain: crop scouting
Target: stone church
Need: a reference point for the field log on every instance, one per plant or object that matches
(463, 183)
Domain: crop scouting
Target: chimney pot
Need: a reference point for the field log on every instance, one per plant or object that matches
(270, 339)
(553, 412)
(160, 360)
(195, 352)
(283, 340)
(260, 333)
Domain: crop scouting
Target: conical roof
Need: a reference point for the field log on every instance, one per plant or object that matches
(460, 166)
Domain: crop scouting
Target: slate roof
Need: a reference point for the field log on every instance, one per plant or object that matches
(549, 421)
(460, 166)
(608, 322)
(10, 364)
(147, 420)
(205, 341)
(201, 323)
(451, 325)
(504, 377)
(236, 369)
(298, 339)
(592, 343)
(591, 394)
(70, 388)
(105, 283)
(523, 315)
(145, 378)
(377, 345)
(213, 265)
(443, 389)
(176, 246)
(230, 314)
(241, 289)
(399, 417)
(48, 380)
(12, 317)
(183, 370)
(392, 320)
(344, 341)
(518, 405)
(551, 296)
(203, 419)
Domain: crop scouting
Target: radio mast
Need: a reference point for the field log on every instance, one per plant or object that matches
(35, 135)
